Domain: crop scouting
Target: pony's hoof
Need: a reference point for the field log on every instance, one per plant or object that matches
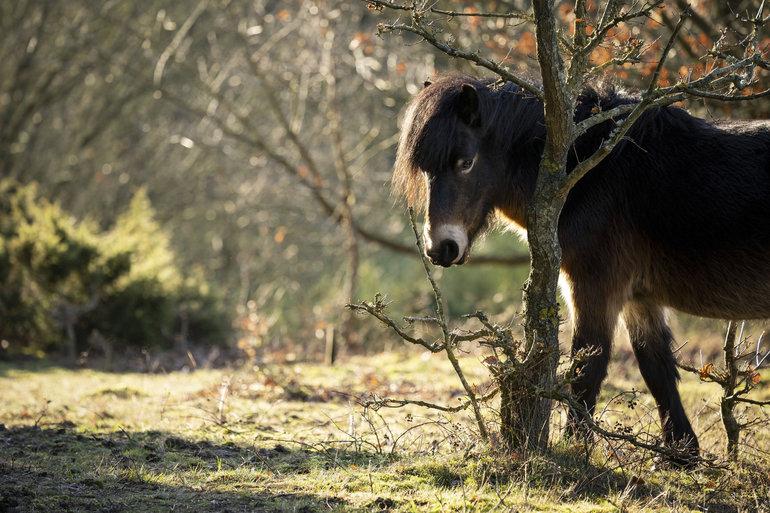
(688, 460)
(686, 453)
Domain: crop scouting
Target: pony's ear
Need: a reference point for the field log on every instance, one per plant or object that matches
(426, 83)
(468, 105)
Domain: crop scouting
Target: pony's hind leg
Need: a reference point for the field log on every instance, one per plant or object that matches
(651, 340)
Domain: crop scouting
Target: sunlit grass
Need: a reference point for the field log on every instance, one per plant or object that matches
(291, 438)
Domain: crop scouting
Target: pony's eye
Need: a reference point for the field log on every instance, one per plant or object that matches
(465, 165)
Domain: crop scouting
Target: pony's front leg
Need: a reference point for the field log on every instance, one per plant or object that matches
(594, 326)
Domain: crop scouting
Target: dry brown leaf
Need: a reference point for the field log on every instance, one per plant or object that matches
(705, 371)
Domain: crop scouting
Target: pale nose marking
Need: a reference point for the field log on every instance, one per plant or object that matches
(451, 231)
(426, 236)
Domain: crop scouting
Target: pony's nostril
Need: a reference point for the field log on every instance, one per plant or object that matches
(449, 251)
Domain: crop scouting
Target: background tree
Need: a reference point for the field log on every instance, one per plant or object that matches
(261, 133)
(192, 102)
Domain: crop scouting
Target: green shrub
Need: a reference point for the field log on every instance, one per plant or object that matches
(62, 280)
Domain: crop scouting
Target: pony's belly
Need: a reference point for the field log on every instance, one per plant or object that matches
(734, 311)
(718, 289)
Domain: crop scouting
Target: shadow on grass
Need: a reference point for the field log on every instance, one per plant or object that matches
(58, 469)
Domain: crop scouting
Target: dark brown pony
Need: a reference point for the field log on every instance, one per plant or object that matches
(677, 216)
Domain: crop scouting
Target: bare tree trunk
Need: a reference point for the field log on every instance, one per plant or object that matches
(342, 169)
(525, 422)
(351, 286)
(330, 351)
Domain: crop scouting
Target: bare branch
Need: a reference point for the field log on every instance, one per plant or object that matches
(724, 97)
(615, 137)
(579, 39)
(177, 40)
(474, 57)
(605, 115)
(398, 247)
(605, 26)
(398, 403)
(752, 401)
(381, 4)
(666, 50)
(504, 338)
(376, 310)
(652, 446)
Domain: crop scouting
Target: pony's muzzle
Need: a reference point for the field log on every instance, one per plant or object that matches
(445, 253)
(451, 245)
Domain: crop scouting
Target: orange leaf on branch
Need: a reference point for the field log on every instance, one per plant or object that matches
(705, 371)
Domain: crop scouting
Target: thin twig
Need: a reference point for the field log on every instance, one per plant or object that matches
(398, 403)
(445, 330)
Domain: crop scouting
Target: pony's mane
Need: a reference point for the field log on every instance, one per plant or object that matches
(508, 114)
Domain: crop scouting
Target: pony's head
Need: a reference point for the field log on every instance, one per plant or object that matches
(444, 167)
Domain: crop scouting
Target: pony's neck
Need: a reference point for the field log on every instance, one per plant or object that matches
(519, 130)
(515, 139)
(514, 201)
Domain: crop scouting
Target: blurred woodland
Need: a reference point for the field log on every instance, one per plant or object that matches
(217, 172)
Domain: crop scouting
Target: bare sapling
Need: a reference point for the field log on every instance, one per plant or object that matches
(738, 375)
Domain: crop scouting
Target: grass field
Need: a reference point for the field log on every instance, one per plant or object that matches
(292, 438)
